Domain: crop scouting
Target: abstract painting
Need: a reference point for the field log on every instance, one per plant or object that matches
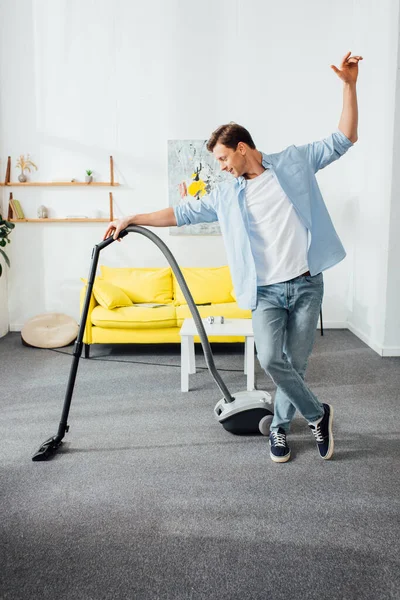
(193, 169)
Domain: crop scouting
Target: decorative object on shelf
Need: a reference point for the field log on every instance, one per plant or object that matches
(42, 212)
(5, 230)
(15, 209)
(24, 164)
(89, 176)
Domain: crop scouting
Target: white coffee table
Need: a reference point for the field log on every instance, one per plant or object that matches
(231, 327)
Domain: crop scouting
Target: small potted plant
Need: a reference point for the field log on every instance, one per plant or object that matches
(5, 230)
(89, 176)
(24, 163)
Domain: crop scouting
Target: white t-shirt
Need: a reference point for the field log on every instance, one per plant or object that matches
(278, 239)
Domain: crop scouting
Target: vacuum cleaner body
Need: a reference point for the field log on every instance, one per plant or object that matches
(250, 412)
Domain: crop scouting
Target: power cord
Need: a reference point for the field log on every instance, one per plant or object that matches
(138, 362)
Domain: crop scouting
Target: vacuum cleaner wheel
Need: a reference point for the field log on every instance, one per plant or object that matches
(265, 424)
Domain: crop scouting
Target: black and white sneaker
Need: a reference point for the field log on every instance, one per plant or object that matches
(280, 451)
(322, 431)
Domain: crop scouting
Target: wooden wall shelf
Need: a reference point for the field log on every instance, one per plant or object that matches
(12, 214)
(7, 181)
(63, 183)
(59, 220)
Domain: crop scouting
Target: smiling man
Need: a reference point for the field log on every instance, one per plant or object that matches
(279, 239)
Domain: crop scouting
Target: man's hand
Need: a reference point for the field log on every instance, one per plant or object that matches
(348, 71)
(115, 227)
(182, 189)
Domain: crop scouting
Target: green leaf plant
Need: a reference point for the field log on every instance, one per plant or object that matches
(5, 230)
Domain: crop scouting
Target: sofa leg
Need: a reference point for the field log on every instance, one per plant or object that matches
(87, 350)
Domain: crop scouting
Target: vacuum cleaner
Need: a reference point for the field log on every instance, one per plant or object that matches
(247, 412)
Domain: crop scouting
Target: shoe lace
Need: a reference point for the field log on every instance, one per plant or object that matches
(279, 439)
(316, 429)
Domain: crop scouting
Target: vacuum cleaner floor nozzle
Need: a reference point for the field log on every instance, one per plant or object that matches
(251, 412)
(47, 449)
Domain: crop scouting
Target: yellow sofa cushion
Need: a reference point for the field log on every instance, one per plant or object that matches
(108, 295)
(206, 284)
(141, 284)
(134, 317)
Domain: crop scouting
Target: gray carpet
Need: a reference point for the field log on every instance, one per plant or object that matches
(151, 499)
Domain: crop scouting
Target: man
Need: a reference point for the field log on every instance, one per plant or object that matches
(279, 239)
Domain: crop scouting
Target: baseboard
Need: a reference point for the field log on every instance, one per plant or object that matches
(365, 338)
(383, 351)
(332, 324)
(390, 351)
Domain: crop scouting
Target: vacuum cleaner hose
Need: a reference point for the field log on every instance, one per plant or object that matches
(189, 299)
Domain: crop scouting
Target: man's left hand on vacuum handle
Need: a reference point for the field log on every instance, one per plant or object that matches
(159, 218)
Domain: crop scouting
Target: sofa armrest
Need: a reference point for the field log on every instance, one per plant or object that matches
(87, 336)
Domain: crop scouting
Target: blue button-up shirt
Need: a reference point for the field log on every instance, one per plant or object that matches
(295, 169)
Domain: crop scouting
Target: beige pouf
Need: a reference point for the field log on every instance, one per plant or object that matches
(51, 330)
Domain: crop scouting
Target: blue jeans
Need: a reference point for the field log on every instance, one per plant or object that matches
(284, 325)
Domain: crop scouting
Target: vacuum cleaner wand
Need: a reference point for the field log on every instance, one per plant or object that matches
(50, 446)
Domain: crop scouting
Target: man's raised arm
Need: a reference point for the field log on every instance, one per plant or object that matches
(348, 73)
(322, 153)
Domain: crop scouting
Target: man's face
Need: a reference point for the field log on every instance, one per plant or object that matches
(231, 161)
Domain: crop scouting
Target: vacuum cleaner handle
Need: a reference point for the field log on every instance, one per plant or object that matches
(109, 240)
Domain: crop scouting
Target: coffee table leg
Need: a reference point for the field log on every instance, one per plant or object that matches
(192, 356)
(184, 363)
(249, 362)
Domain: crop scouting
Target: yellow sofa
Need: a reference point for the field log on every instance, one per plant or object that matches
(146, 305)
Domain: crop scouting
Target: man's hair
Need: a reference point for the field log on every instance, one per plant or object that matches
(230, 135)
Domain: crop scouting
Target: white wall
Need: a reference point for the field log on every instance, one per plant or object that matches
(3, 303)
(371, 215)
(88, 79)
(392, 321)
(4, 319)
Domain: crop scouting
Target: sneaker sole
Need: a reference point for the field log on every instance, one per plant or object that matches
(328, 455)
(279, 459)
